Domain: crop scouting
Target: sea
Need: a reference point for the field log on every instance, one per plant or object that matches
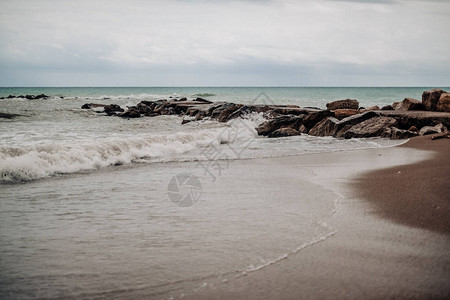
(96, 206)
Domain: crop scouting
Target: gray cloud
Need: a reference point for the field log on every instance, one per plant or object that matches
(176, 42)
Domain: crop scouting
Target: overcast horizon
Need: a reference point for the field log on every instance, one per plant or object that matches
(203, 43)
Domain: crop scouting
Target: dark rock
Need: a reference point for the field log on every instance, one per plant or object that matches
(226, 113)
(343, 125)
(408, 104)
(143, 108)
(303, 129)
(397, 134)
(202, 100)
(92, 105)
(347, 103)
(442, 135)
(418, 118)
(370, 128)
(444, 102)
(375, 107)
(112, 109)
(413, 129)
(182, 99)
(8, 116)
(432, 129)
(387, 107)
(134, 114)
(344, 113)
(185, 121)
(430, 98)
(282, 121)
(282, 132)
(315, 117)
(326, 127)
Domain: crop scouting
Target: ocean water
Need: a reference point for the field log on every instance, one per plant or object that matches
(95, 206)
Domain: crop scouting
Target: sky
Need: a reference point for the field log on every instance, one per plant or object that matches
(224, 43)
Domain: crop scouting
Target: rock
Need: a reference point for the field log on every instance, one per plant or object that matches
(432, 129)
(8, 116)
(417, 118)
(397, 134)
(343, 125)
(143, 108)
(344, 113)
(442, 135)
(282, 132)
(303, 129)
(413, 129)
(92, 105)
(225, 113)
(326, 127)
(134, 114)
(408, 104)
(347, 103)
(430, 98)
(387, 107)
(375, 107)
(444, 102)
(315, 117)
(182, 99)
(185, 121)
(282, 121)
(370, 128)
(112, 109)
(202, 100)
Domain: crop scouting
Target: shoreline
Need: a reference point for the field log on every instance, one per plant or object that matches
(371, 256)
(417, 194)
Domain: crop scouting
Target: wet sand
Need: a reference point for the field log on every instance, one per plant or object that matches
(389, 242)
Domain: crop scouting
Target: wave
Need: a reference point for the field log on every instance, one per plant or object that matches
(204, 95)
(25, 163)
(34, 162)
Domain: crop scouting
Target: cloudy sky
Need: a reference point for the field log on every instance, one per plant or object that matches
(224, 43)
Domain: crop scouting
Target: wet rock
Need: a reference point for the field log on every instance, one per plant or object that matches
(343, 125)
(326, 127)
(442, 135)
(202, 100)
(439, 128)
(397, 134)
(444, 102)
(185, 121)
(283, 132)
(370, 128)
(8, 116)
(303, 129)
(430, 98)
(341, 104)
(112, 109)
(344, 113)
(282, 121)
(92, 105)
(132, 112)
(315, 117)
(387, 107)
(413, 129)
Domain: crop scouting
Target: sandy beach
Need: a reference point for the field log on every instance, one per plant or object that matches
(391, 231)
